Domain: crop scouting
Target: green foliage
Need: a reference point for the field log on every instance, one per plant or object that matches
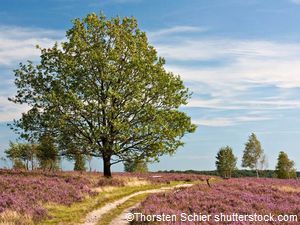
(47, 153)
(27, 155)
(72, 152)
(21, 154)
(18, 164)
(106, 91)
(253, 153)
(135, 166)
(285, 168)
(79, 163)
(236, 173)
(226, 162)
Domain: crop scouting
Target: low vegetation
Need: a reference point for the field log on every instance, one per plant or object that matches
(105, 93)
(69, 196)
(241, 196)
(109, 217)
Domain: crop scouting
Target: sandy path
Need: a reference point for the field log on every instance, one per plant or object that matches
(94, 216)
(122, 218)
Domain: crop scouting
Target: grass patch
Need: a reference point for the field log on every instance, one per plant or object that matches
(76, 213)
(288, 189)
(109, 217)
(9, 217)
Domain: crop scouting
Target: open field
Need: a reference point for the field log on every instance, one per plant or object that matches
(88, 198)
(50, 198)
(242, 196)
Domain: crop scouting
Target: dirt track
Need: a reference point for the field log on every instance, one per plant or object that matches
(94, 216)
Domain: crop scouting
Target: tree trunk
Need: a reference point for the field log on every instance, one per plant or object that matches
(257, 175)
(90, 162)
(106, 166)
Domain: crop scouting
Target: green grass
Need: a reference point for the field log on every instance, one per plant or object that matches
(76, 213)
(108, 217)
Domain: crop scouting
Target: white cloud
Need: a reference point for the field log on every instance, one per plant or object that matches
(228, 121)
(18, 44)
(296, 1)
(9, 110)
(174, 30)
(204, 49)
(235, 103)
(237, 66)
(215, 122)
(226, 72)
(246, 62)
(241, 66)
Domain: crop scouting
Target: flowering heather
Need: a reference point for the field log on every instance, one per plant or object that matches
(27, 191)
(242, 196)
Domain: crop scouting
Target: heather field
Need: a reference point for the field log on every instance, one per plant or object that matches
(243, 196)
(204, 92)
(27, 194)
(68, 197)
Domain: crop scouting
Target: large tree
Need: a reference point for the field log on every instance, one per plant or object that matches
(285, 168)
(226, 162)
(253, 154)
(104, 90)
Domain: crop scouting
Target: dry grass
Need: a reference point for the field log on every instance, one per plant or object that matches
(127, 181)
(134, 181)
(288, 189)
(12, 218)
(102, 189)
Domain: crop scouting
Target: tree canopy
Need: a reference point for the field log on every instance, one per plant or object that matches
(253, 153)
(226, 162)
(105, 91)
(285, 168)
(136, 166)
(47, 153)
(21, 154)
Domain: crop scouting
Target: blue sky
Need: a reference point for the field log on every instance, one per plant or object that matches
(241, 59)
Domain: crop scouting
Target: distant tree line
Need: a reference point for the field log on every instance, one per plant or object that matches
(254, 159)
(136, 165)
(45, 155)
(238, 173)
(41, 155)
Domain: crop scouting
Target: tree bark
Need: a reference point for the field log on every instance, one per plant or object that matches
(257, 174)
(106, 166)
(90, 167)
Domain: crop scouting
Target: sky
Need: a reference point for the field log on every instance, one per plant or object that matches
(241, 60)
